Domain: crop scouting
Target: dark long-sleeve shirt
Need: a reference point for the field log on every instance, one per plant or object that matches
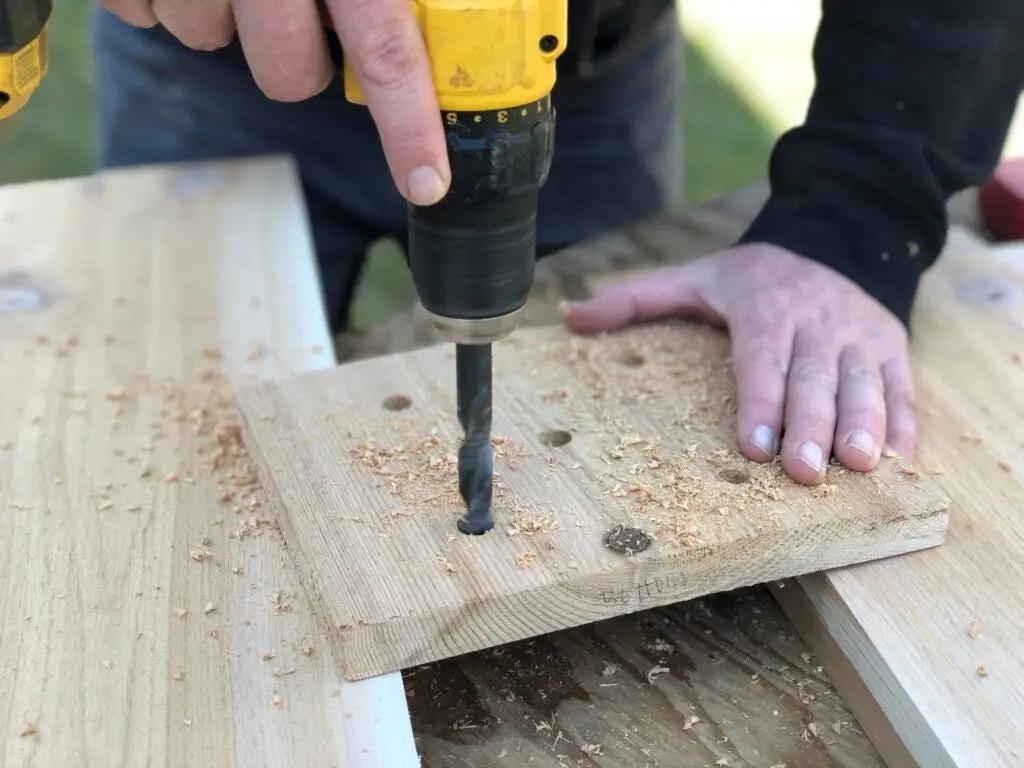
(913, 102)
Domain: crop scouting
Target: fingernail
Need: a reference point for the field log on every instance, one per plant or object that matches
(860, 440)
(764, 439)
(425, 186)
(812, 455)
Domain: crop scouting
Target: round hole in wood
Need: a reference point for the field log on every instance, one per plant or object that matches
(626, 540)
(734, 476)
(555, 438)
(397, 402)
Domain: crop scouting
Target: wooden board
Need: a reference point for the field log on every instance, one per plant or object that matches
(741, 684)
(718, 681)
(150, 614)
(936, 637)
(633, 430)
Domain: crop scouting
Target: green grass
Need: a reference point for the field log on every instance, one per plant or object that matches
(726, 145)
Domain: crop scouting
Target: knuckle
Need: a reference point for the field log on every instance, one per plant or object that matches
(815, 373)
(388, 54)
(863, 377)
(762, 359)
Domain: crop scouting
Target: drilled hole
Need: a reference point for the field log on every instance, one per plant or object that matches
(555, 438)
(397, 402)
(632, 360)
(734, 476)
(548, 43)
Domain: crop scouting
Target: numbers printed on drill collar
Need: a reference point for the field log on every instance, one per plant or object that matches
(497, 117)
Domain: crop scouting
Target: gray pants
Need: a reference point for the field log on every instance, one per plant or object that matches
(617, 157)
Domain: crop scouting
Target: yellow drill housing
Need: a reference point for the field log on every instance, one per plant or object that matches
(23, 51)
(487, 54)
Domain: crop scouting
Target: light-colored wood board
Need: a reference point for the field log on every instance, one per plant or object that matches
(151, 615)
(368, 496)
(936, 637)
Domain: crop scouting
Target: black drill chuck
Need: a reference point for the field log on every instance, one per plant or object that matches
(472, 255)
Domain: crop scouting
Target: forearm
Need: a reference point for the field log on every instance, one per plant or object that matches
(913, 102)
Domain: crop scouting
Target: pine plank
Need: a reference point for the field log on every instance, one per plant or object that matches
(936, 637)
(633, 429)
(151, 615)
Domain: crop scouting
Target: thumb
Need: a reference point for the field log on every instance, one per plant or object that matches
(672, 292)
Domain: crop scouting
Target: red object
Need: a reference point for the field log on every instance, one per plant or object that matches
(1001, 201)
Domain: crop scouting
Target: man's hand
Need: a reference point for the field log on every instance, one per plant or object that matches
(816, 359)
(286, 49)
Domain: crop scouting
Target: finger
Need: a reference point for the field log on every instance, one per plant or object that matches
(901, 408)
(383, 44)
(860, 427)
(204, 25)
(285, 47)
(138, 13)
(761, 352)
(672, 292)
(810, 411)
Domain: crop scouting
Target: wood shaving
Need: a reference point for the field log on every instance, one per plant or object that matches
(307, 651)
(974, 629)
(199, 555)
(209, 608)
(655, 671)
(276, 701)
(116, 393)
(690, 721)
(982, 671)
(610, 669)
(106, 504)
(592, 750)
(181, 612)
(525, 560)
(107, 664)
(178, 676)
(28, 729)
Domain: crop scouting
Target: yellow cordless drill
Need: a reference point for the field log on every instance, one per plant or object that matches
(472, 255)
(23, 54)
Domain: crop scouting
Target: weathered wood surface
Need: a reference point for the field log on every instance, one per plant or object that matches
(628, 436)
(150, 615)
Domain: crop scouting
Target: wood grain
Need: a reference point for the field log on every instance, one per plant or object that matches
(634, 429)
(936, 637)
(719, 681)
(151, 615)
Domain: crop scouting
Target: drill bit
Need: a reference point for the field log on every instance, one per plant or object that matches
(476, 454)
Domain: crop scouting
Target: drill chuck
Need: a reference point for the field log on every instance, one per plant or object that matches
(472, 255)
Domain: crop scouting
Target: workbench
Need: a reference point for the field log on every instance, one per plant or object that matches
(152, 615)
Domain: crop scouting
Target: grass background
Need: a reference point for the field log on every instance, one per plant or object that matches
(747, 78)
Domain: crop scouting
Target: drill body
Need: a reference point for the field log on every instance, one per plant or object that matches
(494, 64)
(23, 51)
(472, 255)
